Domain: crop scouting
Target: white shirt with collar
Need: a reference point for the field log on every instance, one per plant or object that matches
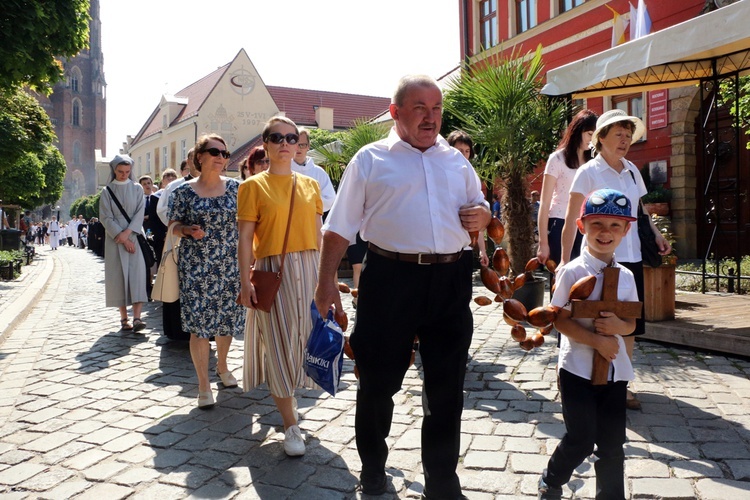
(597, 174)
(578, 358)
(405, 200)
(310, 169)
(163, 206)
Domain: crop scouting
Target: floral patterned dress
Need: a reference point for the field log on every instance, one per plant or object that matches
(209, 273)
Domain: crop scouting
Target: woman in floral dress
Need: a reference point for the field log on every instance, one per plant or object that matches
(203, 211)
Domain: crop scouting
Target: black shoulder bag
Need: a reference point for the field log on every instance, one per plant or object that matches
(148, 252)
(649, 249)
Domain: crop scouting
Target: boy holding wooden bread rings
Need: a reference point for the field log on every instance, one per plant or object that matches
(593, 414)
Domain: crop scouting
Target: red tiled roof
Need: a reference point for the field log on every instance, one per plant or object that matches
(298, 105)
(196, 94)
(242, 152)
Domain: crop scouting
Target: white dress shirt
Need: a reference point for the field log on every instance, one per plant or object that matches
(405, 200)
(163, 206)
(310, 169)
(578, 358)
(597, 174)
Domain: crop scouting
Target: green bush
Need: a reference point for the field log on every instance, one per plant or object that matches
(88, 206)
(693, 282)
(10, 256)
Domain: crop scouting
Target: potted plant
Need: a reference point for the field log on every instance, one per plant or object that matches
(656, 200)
(514, 126)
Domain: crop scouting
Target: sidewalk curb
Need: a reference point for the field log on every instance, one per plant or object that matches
(19, 308)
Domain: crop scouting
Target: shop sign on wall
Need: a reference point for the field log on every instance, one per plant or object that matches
(657, 109)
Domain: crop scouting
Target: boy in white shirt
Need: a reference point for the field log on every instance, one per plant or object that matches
(593, 414)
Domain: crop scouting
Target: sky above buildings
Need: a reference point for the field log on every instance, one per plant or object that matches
(156, 47)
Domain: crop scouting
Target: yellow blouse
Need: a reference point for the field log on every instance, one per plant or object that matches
(264, 199)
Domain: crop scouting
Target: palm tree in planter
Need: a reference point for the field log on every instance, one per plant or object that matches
(499, 103)
(335, 156)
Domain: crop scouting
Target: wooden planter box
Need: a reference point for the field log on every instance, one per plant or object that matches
(659, 292)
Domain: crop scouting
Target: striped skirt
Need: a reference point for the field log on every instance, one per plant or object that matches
(275, 342)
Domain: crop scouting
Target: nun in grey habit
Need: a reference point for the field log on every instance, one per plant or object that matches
(124, 267)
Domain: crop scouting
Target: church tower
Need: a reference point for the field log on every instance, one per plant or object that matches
(77, 108)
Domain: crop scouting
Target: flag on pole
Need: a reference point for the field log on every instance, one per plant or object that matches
(642, 21)
(618, 27)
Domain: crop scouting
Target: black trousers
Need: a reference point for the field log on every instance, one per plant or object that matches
(594, 415)
(397, 301)
(637, 269)
(554, 239)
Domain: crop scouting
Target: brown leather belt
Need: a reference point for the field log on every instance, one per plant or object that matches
(417, 258)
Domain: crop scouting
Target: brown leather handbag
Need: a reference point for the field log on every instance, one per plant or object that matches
(267, 283)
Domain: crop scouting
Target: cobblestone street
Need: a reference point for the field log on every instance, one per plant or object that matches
(87, 411)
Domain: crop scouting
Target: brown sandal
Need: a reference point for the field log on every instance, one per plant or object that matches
(138, 324)
(125, 324)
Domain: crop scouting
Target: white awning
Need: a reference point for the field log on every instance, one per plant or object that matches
(714, 43)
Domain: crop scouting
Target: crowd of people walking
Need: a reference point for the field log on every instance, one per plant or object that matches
(77, 233)
(404, 211)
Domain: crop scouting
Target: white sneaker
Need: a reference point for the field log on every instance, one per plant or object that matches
(294, 443)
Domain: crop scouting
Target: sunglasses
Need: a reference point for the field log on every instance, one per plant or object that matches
(278, 138)
(265, 161)
(217, 152)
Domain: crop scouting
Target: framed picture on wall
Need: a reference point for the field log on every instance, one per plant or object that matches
(657, 170)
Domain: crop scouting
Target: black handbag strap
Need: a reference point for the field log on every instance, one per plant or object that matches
(117, 202)
(640, 202)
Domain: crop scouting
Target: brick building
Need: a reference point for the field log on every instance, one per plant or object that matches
(77, 108)
(576, 30)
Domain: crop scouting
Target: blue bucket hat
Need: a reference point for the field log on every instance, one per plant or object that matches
(607, 203)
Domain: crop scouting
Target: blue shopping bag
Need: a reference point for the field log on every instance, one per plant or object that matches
(324, 354)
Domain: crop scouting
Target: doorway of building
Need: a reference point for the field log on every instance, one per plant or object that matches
(722, 182)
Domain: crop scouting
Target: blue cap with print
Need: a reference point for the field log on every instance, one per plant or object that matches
(607, 203)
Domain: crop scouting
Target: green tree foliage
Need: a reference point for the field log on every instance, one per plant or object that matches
(515, 126)
(320, 137)
(88, 206)
(728, 96)
(32, 170)
(77, 207)
(92, 205)
(24, 127)
(334, 156)
(53, 168)
(21, 183)
(34, 34)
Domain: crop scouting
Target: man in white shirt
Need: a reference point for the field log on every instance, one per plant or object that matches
(72, 232)
(414, 199)
(54, 233)
(163, 206)
(305, 165)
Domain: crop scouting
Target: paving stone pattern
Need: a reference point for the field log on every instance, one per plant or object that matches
(87, 411)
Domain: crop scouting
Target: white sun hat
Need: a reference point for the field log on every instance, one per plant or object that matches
(614, 116)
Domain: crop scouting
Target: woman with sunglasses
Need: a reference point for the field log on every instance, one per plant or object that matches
(203, 212)
(275, 341)
(255, 163)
